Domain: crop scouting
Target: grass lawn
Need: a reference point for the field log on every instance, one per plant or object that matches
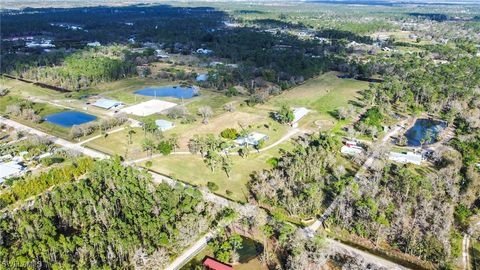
(323, 94)
(193, 170)
(117, 143)
(26, 90)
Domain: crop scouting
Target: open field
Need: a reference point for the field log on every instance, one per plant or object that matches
(192, 169)
(323, 94)
(27, 90)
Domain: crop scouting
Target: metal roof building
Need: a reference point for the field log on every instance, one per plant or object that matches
(107, 103)
(164, 125)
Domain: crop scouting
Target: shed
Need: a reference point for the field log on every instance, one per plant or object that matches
(8, 169)
(211, 263)
(202, 77)
(107, 103)
(164, 125)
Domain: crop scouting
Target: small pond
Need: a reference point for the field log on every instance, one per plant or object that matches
(69, 118)
(424, 130)
(168, 91)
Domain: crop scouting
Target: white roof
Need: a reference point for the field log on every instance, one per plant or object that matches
(353, 150)
(94, 44)
(202, 77)
(8, 169)
(149, 107)
(252, 138)
(409, 157)
(299, 113)
(164, 124)
(106, 103)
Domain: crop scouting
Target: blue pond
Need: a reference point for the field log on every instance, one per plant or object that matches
(69, 118)
(168, 91)
(424, 130)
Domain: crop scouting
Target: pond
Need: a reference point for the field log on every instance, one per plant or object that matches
(69, 118)
(424, 131)
(168, 91)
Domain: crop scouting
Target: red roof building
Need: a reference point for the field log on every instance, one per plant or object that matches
(211, 263)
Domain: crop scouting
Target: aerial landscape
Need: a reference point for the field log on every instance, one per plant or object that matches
(267, 134)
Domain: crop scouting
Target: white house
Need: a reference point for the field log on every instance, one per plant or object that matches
(252, 139)
(408, 157)
(164, 125)
(201, 77)
(161, 54)
(204, 51)
(94, 44)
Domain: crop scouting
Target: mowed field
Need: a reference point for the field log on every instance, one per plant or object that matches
(323, 94)
(192, 169)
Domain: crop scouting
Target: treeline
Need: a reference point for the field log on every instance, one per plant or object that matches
(113, 218)
(109, 24)
(280, 58)
(414, 82)
(105, 124)
(81, 70)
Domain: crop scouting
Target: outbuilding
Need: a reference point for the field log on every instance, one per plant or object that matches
(202, 77)
(212, 264)
(164, 125)
(107, 104)
(298, 114)
(9, 169)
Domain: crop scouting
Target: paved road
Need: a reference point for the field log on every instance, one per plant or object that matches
(54, 139)
(367, 257)
(208, 196)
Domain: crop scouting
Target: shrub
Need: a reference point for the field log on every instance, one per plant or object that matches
(212, 186)
(231, 91)
(165, 148)
(229, 133)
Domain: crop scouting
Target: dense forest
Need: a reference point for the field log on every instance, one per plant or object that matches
(304, 180)
(279, 58)
(112, 218)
